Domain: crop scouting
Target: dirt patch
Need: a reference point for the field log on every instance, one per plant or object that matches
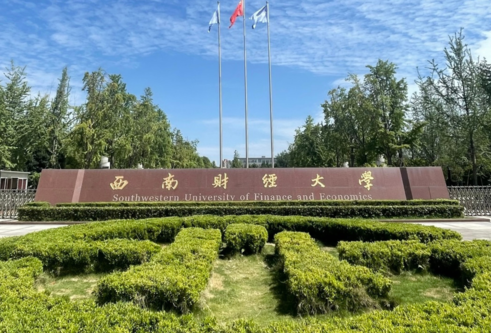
(216, 281)
(75, 297)
(436, 293)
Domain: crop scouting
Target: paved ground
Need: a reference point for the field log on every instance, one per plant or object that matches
(7, 230)
(469, 230)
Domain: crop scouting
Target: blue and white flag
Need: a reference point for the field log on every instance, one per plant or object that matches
(215, 19)
(260, 16)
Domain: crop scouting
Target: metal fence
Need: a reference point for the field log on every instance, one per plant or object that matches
(475, 199)
(10, 200)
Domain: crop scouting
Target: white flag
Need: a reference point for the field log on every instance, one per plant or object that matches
(260, 16)
(215, 19)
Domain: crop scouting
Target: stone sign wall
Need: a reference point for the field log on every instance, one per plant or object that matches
(57, 186)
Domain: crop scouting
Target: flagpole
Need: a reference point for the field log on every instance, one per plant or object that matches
(220, 87)
(245, 85)
(270, 90)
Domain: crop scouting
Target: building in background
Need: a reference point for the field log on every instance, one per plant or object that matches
(13, 180)
(254, 162)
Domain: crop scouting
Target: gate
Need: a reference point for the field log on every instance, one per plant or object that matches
(475, 199)
(10, 200)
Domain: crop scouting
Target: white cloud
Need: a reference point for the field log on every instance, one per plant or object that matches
(483, 49)
(323, 37)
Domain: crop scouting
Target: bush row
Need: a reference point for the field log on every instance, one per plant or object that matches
(246, 238)
(320, 283)
(389, 256)
(28, 213)
(61, 255)
(457, 259)
(173, 279)
(163, 230)
(281, 203)
(22, 309)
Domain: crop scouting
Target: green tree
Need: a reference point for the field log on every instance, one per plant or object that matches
(462, 102)
(58, 120)
(13, 108)
(308, 148)
(236, 163)
(388, 97)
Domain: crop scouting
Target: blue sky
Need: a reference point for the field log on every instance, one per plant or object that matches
(164, 44)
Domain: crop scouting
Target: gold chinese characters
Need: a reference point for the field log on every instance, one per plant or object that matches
(317, 181)
(119, 183)
(366, 178)
(220, 181)
(269, 180)
(170, 183)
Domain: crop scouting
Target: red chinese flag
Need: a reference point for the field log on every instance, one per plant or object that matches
(239, 11)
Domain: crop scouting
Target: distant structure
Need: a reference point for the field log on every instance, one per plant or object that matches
(13, 180)
(253, 162)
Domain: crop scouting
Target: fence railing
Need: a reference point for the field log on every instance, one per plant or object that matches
(475, 199)
(10, 200)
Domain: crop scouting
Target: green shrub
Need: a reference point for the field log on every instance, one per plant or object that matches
(320, 283)
(331, 231)
(473, 267)
(61, 254)
(265, 203)
(388, 256)
(172, 279)
(135, 212)
(448, 255)
(248, 238)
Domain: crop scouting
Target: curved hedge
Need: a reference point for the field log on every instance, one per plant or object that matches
(23, 309)
(165, 282)
(320, 283)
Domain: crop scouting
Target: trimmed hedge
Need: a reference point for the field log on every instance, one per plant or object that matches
(282, 203)
(248, 238)
(23, 309)
(95, 246)
(320, 283)
(447, 256)
(457, 259)
(474, 266)
(389, 256)
(61, 256)
(173, 279)
(27, 213)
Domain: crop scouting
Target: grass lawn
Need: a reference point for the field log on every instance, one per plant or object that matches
(417, 288)
(250, 287)
(245, 287)
(76, 287)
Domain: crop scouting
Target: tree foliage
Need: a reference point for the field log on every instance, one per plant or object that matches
(446, 123)
(42, 132)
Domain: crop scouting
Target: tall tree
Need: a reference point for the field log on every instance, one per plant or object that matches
(457, 87)
(388, 97)
(236, 163)
(308, 148)
(13, 106)
(58, 122)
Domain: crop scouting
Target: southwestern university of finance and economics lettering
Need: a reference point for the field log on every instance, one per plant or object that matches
(241, 184)
(242, 197)
(170, 183)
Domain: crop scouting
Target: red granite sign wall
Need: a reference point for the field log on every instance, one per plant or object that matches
(241, 184)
